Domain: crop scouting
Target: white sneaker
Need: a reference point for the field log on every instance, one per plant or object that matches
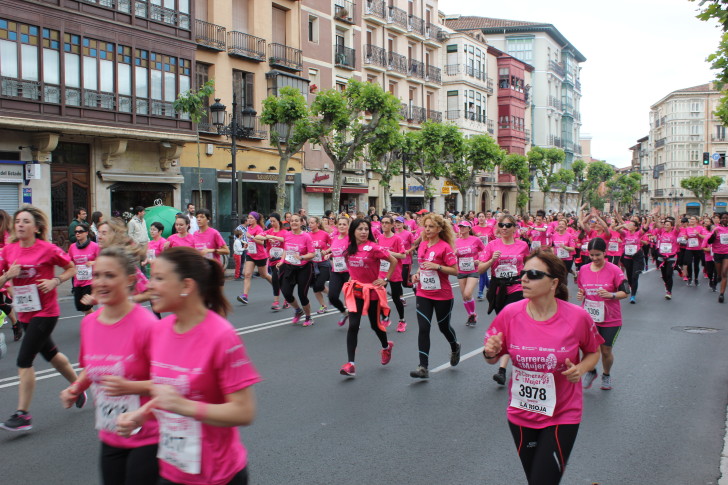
(606, 383)
(588, 379)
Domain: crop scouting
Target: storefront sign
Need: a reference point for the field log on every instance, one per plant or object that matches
(416, 188)
(27, 195)
(355, 180)
(447, 183)
(255, 177)
(320, 177)
(11, 173)
(446, 190)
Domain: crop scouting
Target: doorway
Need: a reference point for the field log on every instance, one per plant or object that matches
(70, 180)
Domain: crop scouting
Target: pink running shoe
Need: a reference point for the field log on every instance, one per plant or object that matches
(401, 326)
(308, 322)
(275, 306)
(387, 353)
(297, 316)
(343, 320)
(348, 370)
(385, 320)
(286, 305)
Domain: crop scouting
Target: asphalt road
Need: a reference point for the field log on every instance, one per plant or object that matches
(663, 423)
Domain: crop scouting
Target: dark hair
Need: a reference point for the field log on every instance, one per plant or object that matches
(204, 212)
(84, 226)
(77, 211)
(184, 218)
(353, 247)
(540, 213)
(207, 273)
(96, 217)
(556, 268)
(684, 220)
(276, 216)
(158, 225)
(189, 204)
(597, 244)
(6, 223)
(138, 209)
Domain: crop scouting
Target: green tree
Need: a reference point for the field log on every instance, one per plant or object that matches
(597, 174)
(289, 119)
(624, 187)
(561, 181)
(579, 169)
(717, 10)
(385, 158)
(194, 104)
(517, 165)
(703, 187)
(481, 154)
(345, 122)
(543, 162)
(430, 151)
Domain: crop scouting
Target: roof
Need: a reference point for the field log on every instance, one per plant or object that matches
(489, 25)
(696, 89)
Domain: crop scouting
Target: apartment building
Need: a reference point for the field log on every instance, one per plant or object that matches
(640, 158)
(86, 92)
(682, 129)
(251, 50)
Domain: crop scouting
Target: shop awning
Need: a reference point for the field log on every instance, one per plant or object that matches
(318, 189)
(136, 187)
(150, 177)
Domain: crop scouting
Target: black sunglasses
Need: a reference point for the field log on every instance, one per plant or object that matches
(534, 274)
(506, 225)
(79, 232)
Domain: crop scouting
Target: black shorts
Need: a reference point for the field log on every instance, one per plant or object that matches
(719, 258)
(258, 262)
(462, 276)
(78, 293)
(6, 303)
(609, 334)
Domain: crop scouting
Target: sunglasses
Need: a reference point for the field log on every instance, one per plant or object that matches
(506, 225)
(534, 274)
(79, 232)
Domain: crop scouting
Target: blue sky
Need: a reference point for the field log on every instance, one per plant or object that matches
(637, 52)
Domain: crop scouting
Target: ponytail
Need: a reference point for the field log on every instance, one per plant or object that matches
(212, 293)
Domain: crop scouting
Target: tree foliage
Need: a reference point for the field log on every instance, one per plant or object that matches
(481, 153)
(518, 166)
(717, 10)
(542, 164)
(385, 158)
(288, 116)
(341, 127)
(703, 187)
(591, 178)
(624, 187)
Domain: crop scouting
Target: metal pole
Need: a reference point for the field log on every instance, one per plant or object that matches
(404, 184)
(234, 178)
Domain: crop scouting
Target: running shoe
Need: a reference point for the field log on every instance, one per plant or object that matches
(455, 356)
(685, 278)
(18, 422)
(404, 302)
(690, 283)
(721, 298)
(286, 305)
(588, 379)
(348, 370)
(632, 300)
(322, 310)
(606, 383)
(697, 283)
(343, 319)
(297, 316)
(713, 288)
(275, 306)
(401, 326)
(500, 376)
(3, 347)
(81, 400)
(243, 299)
(385, 320)
(17, 332)
(308, 321)
(668, 296)
(387, 353)
(472, 320)
(3, 318)
(480, 297)
(420, 373)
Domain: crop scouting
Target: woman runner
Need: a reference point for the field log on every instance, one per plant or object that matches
(275, 236)
(564, 244)
(667, 248)
(553, 343)
(483, 230)
(719, 242)
(83, 253)
(257, 256)
(633, 259)
(389, 240)
(468, 249)
(321, 266)
(295, 270)
(182, 236)
(339, 269)
(693, 234)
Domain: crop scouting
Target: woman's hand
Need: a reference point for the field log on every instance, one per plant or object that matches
(88, 300)
(573, 372)
(115, 386)
(379, 282)
(429, 265)
(494, 344)
(68, 397)
(168, 399)
(47, 285)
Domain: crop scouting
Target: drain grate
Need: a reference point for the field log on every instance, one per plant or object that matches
(696, 329)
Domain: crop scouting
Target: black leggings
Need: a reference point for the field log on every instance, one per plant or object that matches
(296, 276)
(397, 290)
(633, 275)
(240, 478)
(406, 278)
(443, 310)
(667, 270)
(275, 279)
(129, 466)
(614, 259)
(335, 284)
(544, 452)
(324, 272)
(37, 340)
(695, 257)
(713, 276)
(352, 335)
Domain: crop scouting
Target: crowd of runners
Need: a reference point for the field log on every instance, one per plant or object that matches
(169, 401)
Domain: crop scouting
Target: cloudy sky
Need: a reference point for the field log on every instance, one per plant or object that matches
(637, 52)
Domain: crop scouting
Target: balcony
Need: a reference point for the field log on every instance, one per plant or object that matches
(659, 192)
(280, 55)
(161, 14)
(434, 34)
(209, 35)
(245, 45)
(491, 127)
(375, 55)
(555, 102)
(19, 88)
(467, 115)
(489, 85)
(257, 133)
(578, 85)
(398, 18)
(413, 114)
(345, 57)
(528, 135)
(557, 68)
(433, 75)
(433, 115)
(660, 143)
(375, 9)
(555, 141)
(472, 71)
(397, 63)
(416, 25)
(416, 69)
(506, 178)
(452, 69)
(344, 11)
(717, 137)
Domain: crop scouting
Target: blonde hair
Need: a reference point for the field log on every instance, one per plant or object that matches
(41, 222)
(446, 231)
(120, 238)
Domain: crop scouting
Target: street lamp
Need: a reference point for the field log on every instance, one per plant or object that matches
(234, 130)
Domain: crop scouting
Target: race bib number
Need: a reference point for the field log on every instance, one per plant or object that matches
(630, 249)
(83, 272)
(252, 247)
(466, 265)
(595, 309)
(151, 255)
(585, 247)
(340, 264)
(317, 258)
(613, 247)
(180, 441)
(693, 242)
(534, 392)
(562, 253)
(506, 271)
(26, 299)
(276, 253)
(484, 239)
(535, 245)
(681, 240)
(108, 408)
(665, 248)
(724, 238)
(383, 265)
(429, 280)
(292, 258)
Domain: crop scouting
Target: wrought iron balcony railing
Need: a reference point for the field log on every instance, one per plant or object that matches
(209, 35)
(245, 45)
(285, 56)
(345, 57)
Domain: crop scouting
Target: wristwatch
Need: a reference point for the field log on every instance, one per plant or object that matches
(386, 280)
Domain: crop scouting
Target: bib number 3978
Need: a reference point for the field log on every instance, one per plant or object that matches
(534, 392)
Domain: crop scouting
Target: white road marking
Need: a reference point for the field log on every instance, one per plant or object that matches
(470, 354)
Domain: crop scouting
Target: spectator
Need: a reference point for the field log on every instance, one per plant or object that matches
(137, 228)
(79, 216)
(96, 219)
(194, 227)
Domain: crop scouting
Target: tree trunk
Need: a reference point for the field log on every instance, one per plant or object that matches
(387, 194)
(544, 200)
(336, 195)
(281, 196)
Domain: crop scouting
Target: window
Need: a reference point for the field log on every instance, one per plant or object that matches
(314, 78)
(51, 65)
(278, 79)
(19, 50)
(720, 132)
(202, 75)
(313, 29)
(520, 48)
(243, 84)
(392, 88)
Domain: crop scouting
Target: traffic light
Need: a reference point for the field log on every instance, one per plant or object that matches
(706, 158)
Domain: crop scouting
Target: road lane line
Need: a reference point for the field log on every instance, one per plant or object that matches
(462, 358)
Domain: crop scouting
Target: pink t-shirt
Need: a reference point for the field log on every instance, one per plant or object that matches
(338, 253)
(256, 250)
(606, 312)
(37, 262)
(667, 242)
(693, 241)
(561, 240)
(615, 244)
(210, 239)
(176, 240)
(411, 223)
(632, 242)
(275, 248)
(120, 349)
(543, 347)
(81, 257)
(393, 243)
(141, 283)
(321, 241)
(204, 364)
(365, 263)
(297, 245)
(510, 262)
(439, 253)
(485, 233)
(376, 225)
(720, 244)
(157, 246)
(538, 238)
(408, 240)
(468, 250)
